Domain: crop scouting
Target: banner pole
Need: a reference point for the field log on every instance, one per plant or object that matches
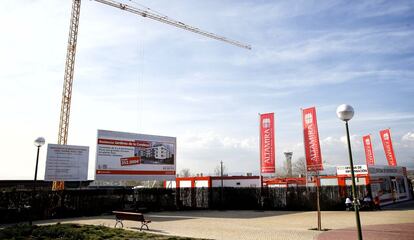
(318, 206)
(260, 160)
(304, 150)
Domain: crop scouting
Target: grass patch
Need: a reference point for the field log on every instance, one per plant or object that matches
(77, 232)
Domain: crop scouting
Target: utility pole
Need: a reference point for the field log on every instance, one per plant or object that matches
(222, 183)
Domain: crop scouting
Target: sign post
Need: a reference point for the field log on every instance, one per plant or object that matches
(318, 205)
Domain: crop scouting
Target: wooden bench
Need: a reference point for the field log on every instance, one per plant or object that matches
(131, 216)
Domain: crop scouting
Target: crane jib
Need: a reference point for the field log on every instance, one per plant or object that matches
(165, 19)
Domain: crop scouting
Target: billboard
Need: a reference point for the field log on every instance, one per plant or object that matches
(369, 154)
(311, 140)
(66, 163)
(388, 149)
(132, 156)
(267, 143)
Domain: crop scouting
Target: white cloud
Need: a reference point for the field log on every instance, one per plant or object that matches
(355, 140)
(408, 137)
(407, 141)
(213, 140)
(135, 75)
(330, 141)
(384, 116)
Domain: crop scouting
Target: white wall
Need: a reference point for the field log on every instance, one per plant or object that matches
(201, 183)
(236, 182)
(329, 181)
(185, 183)
(170, 184)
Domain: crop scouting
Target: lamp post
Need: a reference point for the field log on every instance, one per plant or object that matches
(222, 185)
(345, 113)
(40, 141)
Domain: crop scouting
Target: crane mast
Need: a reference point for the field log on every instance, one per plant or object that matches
(67, 82)
(71, 53)
(69, 69)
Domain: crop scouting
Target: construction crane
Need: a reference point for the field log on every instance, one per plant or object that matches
(71, 53)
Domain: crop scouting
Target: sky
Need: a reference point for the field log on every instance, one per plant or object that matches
(133, 74)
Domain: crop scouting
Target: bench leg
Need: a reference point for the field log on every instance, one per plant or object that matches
(119, 221)
(142, 225)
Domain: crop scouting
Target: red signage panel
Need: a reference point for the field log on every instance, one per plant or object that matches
(311, 140)
(130, 161)
(267, 143)
(369, 154)
(388, 149)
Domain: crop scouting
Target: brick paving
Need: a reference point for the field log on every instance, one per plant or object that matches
(402, 231)
(240, 225)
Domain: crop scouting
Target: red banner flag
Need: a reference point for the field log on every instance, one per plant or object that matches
(311, 140)
(388, 149)
(267, 143)
(369, 154)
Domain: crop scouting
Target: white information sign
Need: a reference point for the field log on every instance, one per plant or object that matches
(346, 170)
(131, 156)
(66, 163)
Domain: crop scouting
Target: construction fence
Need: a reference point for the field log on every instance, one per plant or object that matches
(17, 206)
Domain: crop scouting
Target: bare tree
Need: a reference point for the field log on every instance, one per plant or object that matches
(217, 170)
(185, 172)
(299, 166)
(281, 172)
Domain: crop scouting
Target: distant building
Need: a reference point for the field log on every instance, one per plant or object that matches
(389, 183)
(214, 181)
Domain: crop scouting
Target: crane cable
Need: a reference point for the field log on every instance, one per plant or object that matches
(149, 9)
(140, 81)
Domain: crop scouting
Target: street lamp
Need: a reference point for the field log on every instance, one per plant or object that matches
(345, 113)
(40, 141)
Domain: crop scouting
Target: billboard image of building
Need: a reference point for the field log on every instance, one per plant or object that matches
(131, 156)
(156, 154)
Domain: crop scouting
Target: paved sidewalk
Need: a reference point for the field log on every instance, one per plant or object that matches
(403, 231)
(240, 225)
